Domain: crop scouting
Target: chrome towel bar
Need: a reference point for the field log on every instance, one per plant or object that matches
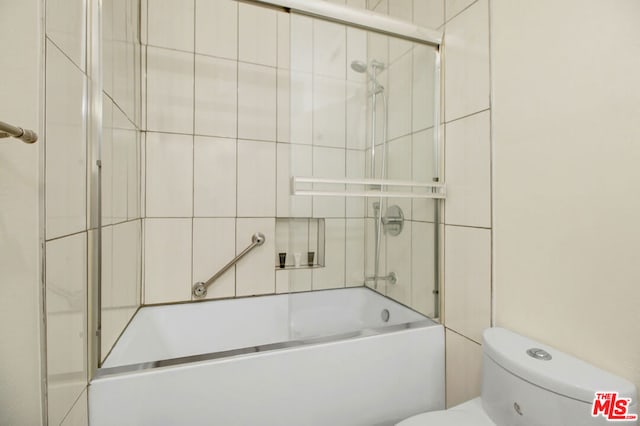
(25, 135)
(200, 288)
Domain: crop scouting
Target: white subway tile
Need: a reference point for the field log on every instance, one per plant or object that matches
(466, 69)
(169, 91)
(453, 7)
(464, 368)
(284, 40)
(214, 177)
(467, 268)
(378, 48)
(301, 108)
(121, 282)
(356, 111)
(422, 157)
(328, 163)
(127, 264)
(123, 146)
(66, 314)
(354, 261)
(214, 245)
(107, 161)
(400, 97)
(256, 179)
(381, 6)
(332, 275)
(301, 43)
(468, 171)
(217, 28)
(256, 102)
(283, 101)
(66, 26)
(428, 13)
(423, 95)
(171, 24)
(356, 51)
(401, 9)
(422, 267)
(66, 167)
(370, 250)
(124, 85)
(143, 174)
(293, 280)
(329, 110)
(169, 175)
(255, 274)
(167, 260)
(399, 164)
(292, 160)
(133, 150)
(79, 414)
(360, 4)
(399, 257)
(216, 96)
(355, 169)
(258, 32)
(329, 49)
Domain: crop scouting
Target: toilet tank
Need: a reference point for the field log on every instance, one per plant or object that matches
(547, 387)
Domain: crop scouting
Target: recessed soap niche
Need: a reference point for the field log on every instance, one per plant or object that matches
(300, 236)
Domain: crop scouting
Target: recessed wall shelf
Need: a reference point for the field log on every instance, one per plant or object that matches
(385, 188)
(300, 236)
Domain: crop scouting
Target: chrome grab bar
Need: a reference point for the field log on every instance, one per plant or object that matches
(391, 278)
(25, 135)
(200, 288)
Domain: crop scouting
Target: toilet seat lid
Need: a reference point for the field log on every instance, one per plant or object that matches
(469, 413)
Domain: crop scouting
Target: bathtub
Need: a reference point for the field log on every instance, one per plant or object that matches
(334, 357)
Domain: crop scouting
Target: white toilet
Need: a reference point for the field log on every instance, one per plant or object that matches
(526, 383)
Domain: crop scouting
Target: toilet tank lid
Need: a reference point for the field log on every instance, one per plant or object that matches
(563, 374)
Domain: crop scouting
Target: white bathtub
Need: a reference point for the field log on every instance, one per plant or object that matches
(332, 361)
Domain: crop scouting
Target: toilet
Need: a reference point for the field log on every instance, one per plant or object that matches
(526, 383)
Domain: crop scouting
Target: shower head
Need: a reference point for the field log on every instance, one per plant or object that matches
(363, 68)
(359, 66)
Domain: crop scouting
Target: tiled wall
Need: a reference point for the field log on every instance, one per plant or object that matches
(467, 281)
(70, 181)
(20, 291)
(220, 150)
(233, 112)
(66, 192)
(121, 169)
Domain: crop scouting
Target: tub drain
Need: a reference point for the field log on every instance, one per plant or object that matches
(385, 315)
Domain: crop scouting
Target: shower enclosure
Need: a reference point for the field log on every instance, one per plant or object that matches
(343, 188)
(362, 155)
(325, 143)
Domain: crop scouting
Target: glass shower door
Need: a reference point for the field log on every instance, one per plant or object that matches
(357, 169)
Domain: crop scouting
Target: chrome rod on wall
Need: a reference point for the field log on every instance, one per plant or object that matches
(200, 288)
(25, 135)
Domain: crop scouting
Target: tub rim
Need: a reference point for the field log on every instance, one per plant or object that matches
(269, 347)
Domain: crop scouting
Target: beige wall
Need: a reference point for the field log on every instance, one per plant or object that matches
(566, 135)
(20, 395)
